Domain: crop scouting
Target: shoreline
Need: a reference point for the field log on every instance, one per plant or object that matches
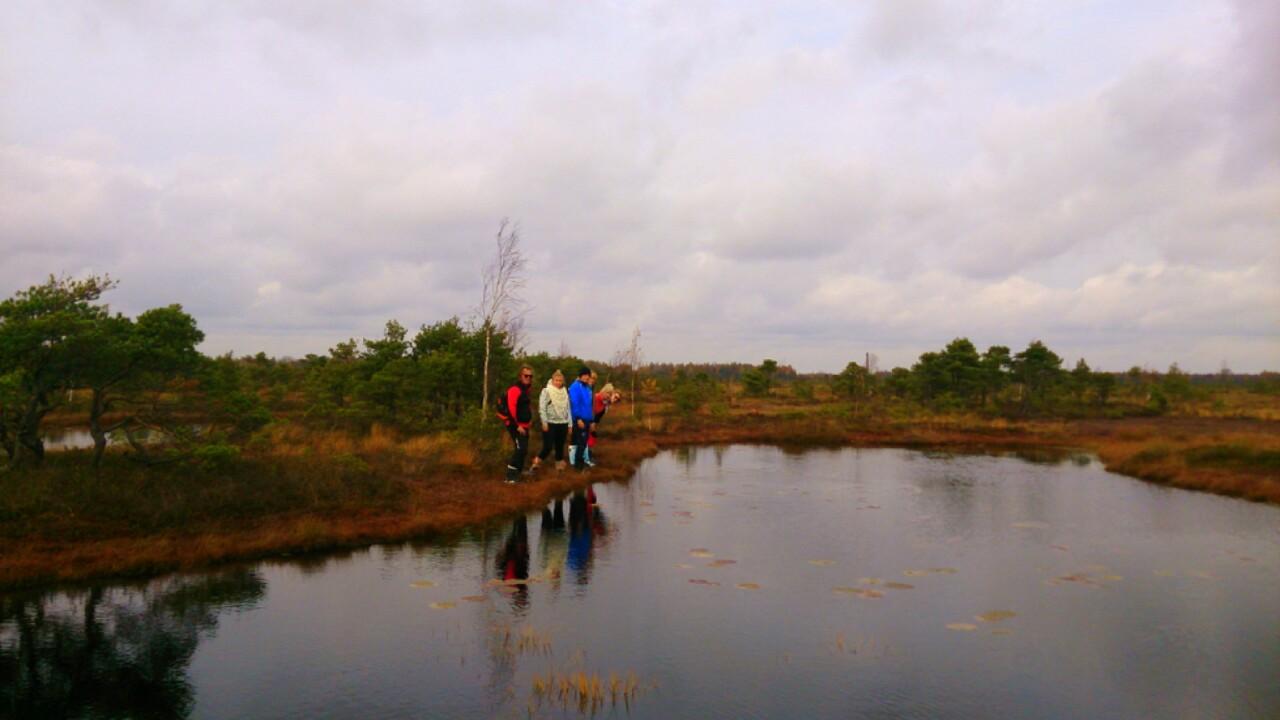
(459, 498)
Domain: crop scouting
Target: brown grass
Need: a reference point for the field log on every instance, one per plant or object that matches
(1241, 460)
(440, 484)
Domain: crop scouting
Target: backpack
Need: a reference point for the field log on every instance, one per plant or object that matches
(500, 407)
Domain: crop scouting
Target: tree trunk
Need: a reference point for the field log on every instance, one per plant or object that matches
(96, 407)
(29, 429)
(6, 442)
(484, 395)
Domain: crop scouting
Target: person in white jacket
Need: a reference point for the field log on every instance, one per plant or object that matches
(556, 417)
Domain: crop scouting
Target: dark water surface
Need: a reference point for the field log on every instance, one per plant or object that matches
(1113, 599)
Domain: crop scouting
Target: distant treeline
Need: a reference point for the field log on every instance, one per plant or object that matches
(1033, 381)
(62, 349)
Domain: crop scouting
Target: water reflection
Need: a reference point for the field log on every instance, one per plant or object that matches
(74, 438)
(742, 581)
(554, 543)
(512, 563)
(120, 652)
(587, 529)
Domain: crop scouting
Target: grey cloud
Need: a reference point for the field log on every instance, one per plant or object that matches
(760, 193)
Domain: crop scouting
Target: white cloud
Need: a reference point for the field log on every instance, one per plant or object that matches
(739, 181)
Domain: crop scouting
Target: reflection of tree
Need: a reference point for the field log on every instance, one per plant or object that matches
(111, 652)
(686, 455)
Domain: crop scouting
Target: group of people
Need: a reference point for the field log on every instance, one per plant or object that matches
(566, 415)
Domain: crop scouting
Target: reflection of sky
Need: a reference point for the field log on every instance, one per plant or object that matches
(347, 636)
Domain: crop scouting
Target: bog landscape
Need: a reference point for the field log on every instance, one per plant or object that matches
(497, 359)
(1011, 492)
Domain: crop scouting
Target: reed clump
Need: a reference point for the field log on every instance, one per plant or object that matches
(525, 640)
(587, 692)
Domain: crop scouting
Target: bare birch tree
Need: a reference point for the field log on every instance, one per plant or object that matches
(501, 308)
(634, 355)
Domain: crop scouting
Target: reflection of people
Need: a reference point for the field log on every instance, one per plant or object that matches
(552, 543)
(517, 417)
(556, 417)
(586, 523)
(580, 405)
(512, 562)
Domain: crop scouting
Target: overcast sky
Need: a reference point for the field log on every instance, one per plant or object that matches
(804, 181)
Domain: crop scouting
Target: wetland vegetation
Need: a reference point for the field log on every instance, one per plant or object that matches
(386, 438)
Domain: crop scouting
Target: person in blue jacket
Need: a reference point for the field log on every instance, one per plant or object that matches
(580, 400)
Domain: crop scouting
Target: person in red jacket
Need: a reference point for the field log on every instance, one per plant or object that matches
(600, 404)
(517, 416)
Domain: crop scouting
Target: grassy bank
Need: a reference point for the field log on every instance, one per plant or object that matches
(298, 490)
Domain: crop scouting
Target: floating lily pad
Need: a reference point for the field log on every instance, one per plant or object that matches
(996, 615)
(870, 581)
(1111, 578)
(443, 605)
(700, 581)
(899, 586)
(422, 584)
(962, 627)
(822, 563)
(860, 592)
(700, 553)
(684, 566)
(720, 563)
(915, 573)
(1075, 578)
(1063, 548)
(474, 598)
(747, 586)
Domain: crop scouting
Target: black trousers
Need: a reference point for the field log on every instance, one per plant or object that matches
(554, 438)
(580, 439)
(516, 463)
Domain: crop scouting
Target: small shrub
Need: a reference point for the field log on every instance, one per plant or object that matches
(350, 464)
(215, 457)
(1234, 455)
(1157, 403)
